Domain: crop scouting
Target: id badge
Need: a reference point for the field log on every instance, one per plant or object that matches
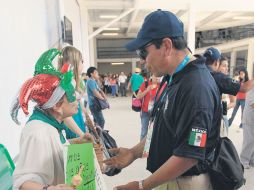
(148, 139)
(150, 105)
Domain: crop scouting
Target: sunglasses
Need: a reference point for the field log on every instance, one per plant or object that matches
(142, 53)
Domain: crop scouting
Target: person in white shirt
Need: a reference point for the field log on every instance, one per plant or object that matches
(122, 81)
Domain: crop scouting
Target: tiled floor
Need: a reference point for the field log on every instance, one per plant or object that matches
(124, 126)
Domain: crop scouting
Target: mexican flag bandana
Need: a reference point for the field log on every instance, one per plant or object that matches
(198, 137)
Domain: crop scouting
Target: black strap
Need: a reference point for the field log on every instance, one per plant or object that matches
(146, 83)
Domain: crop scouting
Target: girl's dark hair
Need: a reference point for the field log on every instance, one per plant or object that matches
(223, 59)
(90, 70)
(246, 77)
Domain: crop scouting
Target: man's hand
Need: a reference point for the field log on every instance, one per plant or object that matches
(124, 157)
(130, 186)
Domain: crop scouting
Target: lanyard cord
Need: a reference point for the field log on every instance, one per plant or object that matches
(180, 66)
(163, 94)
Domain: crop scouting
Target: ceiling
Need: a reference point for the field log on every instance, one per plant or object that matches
(130, 14)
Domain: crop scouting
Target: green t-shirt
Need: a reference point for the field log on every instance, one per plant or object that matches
(136, 81)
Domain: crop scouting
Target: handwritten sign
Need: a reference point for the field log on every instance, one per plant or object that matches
(76, 155)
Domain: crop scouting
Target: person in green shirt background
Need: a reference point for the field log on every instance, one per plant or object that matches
(135, 81)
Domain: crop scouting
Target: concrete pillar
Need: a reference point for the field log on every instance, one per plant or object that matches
(232, 62)
(250, 60)
(133, 64)
(191, 28)
(93, 49)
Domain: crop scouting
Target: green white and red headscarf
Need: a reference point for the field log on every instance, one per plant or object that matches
(47, 86)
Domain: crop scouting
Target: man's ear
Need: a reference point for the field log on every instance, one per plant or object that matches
(217, 63)
(167, 43)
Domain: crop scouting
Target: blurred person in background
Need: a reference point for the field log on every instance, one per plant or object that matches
(122, 82)
(135, 81)
(223, 68)
(247, 153)
(106, 89)
(113, 85)
(225, 83)
(240, 97)
(147, 93)
(93, 91)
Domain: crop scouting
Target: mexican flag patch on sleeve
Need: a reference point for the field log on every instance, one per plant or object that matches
(198, 137)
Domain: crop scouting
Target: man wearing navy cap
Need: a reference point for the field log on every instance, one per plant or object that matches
(213, 56)
(226, 84)
(184, 123)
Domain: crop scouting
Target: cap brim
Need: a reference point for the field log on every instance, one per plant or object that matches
(136, 44)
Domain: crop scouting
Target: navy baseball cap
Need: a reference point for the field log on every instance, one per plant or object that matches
(213, 53)
(158, 24)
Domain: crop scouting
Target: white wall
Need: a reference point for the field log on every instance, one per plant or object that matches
(72, 12)
(27, 29)
(23, 37)
(79, 17)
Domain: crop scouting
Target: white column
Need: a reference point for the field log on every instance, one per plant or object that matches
(133, 64)
(191, 28)
(93, 49)
(85, 33)
(94, 41)
(232, 62)
(250, 60)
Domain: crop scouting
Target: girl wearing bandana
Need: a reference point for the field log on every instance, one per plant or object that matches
(72, 56)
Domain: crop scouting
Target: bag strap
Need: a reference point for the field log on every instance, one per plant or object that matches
(134, 93)
(146, 83)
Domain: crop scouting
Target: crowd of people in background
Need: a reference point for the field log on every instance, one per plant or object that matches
(116, 85)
